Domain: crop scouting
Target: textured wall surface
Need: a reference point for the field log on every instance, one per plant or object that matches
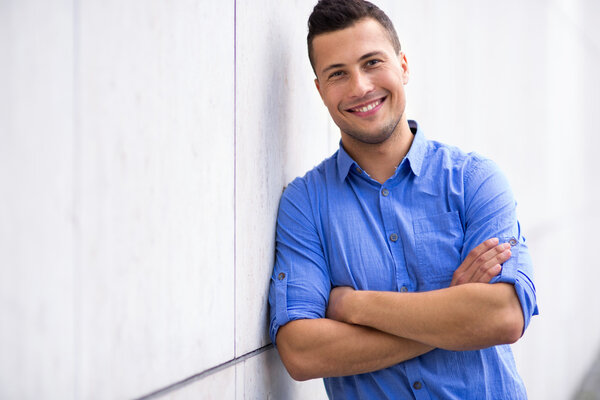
(144, 146)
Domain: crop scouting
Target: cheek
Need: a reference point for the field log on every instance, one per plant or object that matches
(392, 78)
(333, 98)
(396, 85)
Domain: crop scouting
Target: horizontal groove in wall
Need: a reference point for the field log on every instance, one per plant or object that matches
(204, 374)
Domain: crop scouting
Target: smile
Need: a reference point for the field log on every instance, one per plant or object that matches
(363, 108)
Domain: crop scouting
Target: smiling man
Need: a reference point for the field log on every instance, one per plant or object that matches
(401, 270)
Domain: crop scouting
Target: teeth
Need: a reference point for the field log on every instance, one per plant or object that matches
(368, 107)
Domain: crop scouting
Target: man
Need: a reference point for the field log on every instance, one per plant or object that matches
(401, 270)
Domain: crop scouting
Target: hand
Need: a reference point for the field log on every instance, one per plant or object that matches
(337, 308)
(482, 263)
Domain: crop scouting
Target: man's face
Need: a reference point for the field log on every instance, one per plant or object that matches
(361, 80)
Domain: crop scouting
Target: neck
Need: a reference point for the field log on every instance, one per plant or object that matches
(380, 160)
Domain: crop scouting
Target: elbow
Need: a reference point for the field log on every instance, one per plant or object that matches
(295, 366)
(514, 333)
(296, 361)
(298, 374)
(510, 322)
(512, 325)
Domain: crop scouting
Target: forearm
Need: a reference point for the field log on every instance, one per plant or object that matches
(318, 348)
(465, 317)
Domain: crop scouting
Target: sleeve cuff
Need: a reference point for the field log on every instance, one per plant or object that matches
(512, 272)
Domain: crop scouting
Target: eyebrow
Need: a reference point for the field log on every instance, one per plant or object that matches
(368, 55)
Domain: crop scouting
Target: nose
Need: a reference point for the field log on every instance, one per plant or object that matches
(360, 84)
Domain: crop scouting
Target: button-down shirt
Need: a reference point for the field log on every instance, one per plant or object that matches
(339, 227)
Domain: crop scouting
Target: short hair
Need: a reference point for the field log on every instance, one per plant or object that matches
(333, 15)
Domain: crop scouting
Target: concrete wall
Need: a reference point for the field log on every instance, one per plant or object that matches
(144, 146)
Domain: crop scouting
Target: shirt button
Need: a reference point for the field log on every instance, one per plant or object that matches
(281, 276)
(358, 170)
(513, 242)
(385, 192)
(417, 385)
(393, 237)
(404, 289)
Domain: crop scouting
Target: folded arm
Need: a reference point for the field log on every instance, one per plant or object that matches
(319, 348)
(336, 346)
(466, 317)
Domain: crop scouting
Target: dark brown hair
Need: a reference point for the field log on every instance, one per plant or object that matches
(333, 15)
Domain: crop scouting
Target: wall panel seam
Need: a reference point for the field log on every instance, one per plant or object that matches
(76, 216)
(235, 190)
(206, 373)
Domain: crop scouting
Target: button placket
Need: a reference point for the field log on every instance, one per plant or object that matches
(388, 202)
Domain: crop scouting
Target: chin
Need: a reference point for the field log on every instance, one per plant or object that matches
(370, 139)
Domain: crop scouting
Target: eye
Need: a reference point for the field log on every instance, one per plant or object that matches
(336, 74)
(372, 63)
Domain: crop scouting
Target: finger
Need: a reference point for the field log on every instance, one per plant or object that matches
(489, 269)
(493, 256)
(489, 274)
(485, 261)
(475, 253)
(482, 263)
(464, 272)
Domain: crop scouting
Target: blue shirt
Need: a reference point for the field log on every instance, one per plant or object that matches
(338, 227)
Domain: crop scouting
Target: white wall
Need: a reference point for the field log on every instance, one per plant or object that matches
(144, 146)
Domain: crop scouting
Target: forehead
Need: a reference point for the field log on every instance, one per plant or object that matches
(349, 44)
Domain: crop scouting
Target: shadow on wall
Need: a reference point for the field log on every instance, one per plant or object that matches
(590, 386)
(275, 109)
(274, 133)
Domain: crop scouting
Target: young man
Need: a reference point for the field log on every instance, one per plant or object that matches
(401, 271)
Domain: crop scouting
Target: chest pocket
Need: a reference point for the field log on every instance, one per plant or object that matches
(439, 240)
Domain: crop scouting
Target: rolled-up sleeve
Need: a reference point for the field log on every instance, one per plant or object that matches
(300, 283)
(490, 211)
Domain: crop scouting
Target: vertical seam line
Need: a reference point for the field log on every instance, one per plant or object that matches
(235, 191)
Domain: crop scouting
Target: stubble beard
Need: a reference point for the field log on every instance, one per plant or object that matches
(368, 138)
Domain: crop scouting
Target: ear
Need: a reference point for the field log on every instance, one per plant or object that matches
(318, 87)
(404, 66)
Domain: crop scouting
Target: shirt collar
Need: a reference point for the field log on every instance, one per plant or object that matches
(344, 163)
(415, 155)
